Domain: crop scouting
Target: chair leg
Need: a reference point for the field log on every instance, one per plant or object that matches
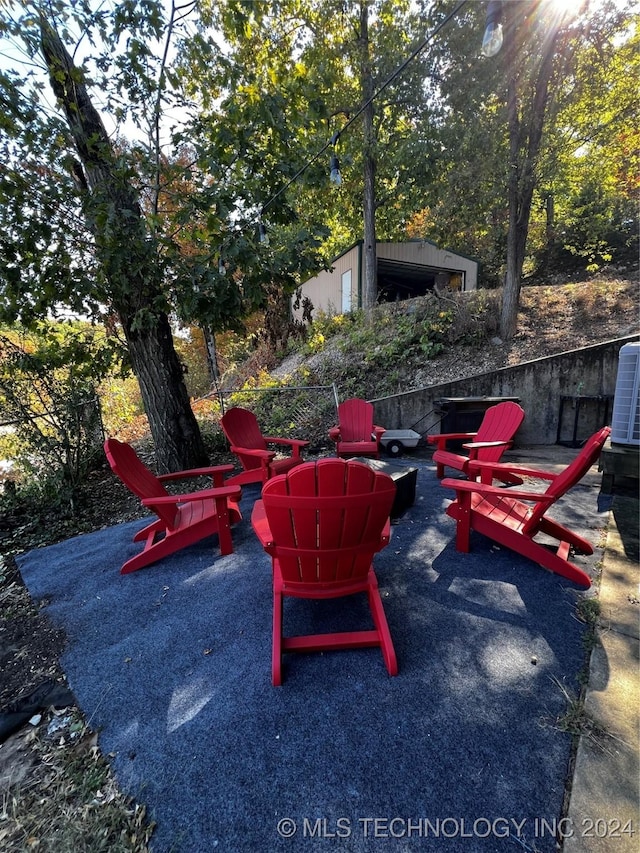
(554, 560)
(276, 649)
(563, 534)
(157, 526)
(382, 626)
(556, 563)
(224, 526)
(151, 553)
(463, 526)
(135, 563)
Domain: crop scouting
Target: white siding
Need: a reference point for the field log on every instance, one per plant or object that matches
(325, 289)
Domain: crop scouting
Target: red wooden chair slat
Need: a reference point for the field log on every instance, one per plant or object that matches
(495, 435)
(181, 519)
(514, 518)
(356, 434)
(322, 523)
(247, 442)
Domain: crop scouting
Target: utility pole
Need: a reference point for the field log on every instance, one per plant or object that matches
(370, 278)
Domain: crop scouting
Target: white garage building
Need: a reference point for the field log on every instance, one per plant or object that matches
(405, 270)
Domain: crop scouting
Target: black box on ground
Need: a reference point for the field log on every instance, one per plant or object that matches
(404, 479)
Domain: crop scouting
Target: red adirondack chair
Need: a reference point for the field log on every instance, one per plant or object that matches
(499, 424)
(182, 519)
(247, 442)
(356, 434)
(513, 518)
(322, 523)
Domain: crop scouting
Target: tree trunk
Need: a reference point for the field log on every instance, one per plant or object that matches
(370, 279)
(129, 265)
(524, 148)
(212, 355)
(175, 431)
(370, 286)
(550, 228)
(511, 289)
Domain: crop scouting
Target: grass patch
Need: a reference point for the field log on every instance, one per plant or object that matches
(588, 611)
(577, 722)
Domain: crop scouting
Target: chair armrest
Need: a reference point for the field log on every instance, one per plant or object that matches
(216, 472)
(502, 468)
(477, 445)
(385, 537)
(377, 432)
(267, 455)
(442, 438)
(260, 525)
(334, 433)
(203, 494)
(486, 489)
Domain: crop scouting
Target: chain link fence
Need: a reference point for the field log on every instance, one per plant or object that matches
(305, 412)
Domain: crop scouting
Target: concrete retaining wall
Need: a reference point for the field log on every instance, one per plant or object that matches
(588, 372)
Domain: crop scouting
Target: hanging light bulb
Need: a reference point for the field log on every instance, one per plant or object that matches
(222, 270)
(492, 41)
(263, 237)
(334, 164)
(334, 176)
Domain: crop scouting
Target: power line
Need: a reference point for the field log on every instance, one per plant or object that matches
(364, 106)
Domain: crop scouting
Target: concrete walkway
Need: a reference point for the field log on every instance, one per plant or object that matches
(604, 810)
(604, 806)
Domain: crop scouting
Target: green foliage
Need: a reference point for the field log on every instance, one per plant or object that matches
(293, 80)
(49, 402)
(590, 135)
(87, 224)
(373, 350)
(324, 327)
(396, 335)
(120, 402)
(597, 230)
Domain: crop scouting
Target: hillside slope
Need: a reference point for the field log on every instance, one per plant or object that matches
(395, 352)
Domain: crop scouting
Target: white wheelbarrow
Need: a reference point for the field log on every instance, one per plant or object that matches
(396, 441)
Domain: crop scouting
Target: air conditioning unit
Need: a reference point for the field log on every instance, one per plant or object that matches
(625, 424)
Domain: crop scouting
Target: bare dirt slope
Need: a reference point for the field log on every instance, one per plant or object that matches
(552, 319)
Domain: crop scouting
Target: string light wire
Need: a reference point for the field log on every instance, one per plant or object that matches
(364, 106)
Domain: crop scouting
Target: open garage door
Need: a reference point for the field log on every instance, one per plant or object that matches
(398, 280)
